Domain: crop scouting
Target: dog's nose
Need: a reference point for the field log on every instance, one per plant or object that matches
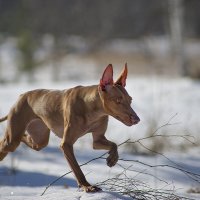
(135, 119)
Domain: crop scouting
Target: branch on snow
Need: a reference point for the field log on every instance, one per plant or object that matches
(137, 189)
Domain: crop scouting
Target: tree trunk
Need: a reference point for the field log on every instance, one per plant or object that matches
(176, 33)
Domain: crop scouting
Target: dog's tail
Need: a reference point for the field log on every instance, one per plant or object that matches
(4, 118)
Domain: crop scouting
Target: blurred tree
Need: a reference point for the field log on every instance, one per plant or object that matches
(94, 18)
(176, 28)
(97, 22)
(26, 48)
(89, 18)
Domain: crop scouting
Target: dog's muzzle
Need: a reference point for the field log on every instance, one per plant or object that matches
(134, 119)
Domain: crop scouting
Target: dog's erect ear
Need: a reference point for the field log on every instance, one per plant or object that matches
(122, 78)
(107, 78)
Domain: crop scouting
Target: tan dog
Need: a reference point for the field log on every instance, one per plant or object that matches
(70, 114)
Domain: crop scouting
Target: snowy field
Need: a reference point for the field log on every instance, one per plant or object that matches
(174, 103)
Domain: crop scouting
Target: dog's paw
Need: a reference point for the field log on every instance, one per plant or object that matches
(112, 158)
(91, 189)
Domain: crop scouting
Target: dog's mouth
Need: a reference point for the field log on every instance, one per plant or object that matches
(128, 120)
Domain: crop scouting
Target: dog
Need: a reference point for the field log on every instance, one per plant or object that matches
(70, 114)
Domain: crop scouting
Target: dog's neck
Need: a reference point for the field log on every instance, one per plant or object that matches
(94, 102)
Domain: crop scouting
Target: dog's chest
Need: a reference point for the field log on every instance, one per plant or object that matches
(94, 123)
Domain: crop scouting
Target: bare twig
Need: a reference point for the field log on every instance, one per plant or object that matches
(192, 175)
(168, 123)
(137, 189)
(129, 185)
(161, 165)
(69, 172)
(185, 137)
(195, 177)
(144, 172)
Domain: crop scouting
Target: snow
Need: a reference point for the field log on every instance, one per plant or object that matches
(25, 173)
(57, 193)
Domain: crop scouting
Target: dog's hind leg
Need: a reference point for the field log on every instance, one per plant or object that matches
(36, 134)
(2, 154)
(18, 118)
(12, 137)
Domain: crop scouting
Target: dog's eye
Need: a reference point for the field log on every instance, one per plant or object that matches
(118, 100)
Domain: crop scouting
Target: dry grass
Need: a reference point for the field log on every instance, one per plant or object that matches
(139, 64)
(136, 189)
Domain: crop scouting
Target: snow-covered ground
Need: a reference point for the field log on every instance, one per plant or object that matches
(25, 173)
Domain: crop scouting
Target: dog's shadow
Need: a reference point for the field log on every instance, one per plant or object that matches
(31, 179)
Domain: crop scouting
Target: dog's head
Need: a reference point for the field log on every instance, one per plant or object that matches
(115, 99)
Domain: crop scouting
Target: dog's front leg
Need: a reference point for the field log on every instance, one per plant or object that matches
(67, 148)
(100, 142)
